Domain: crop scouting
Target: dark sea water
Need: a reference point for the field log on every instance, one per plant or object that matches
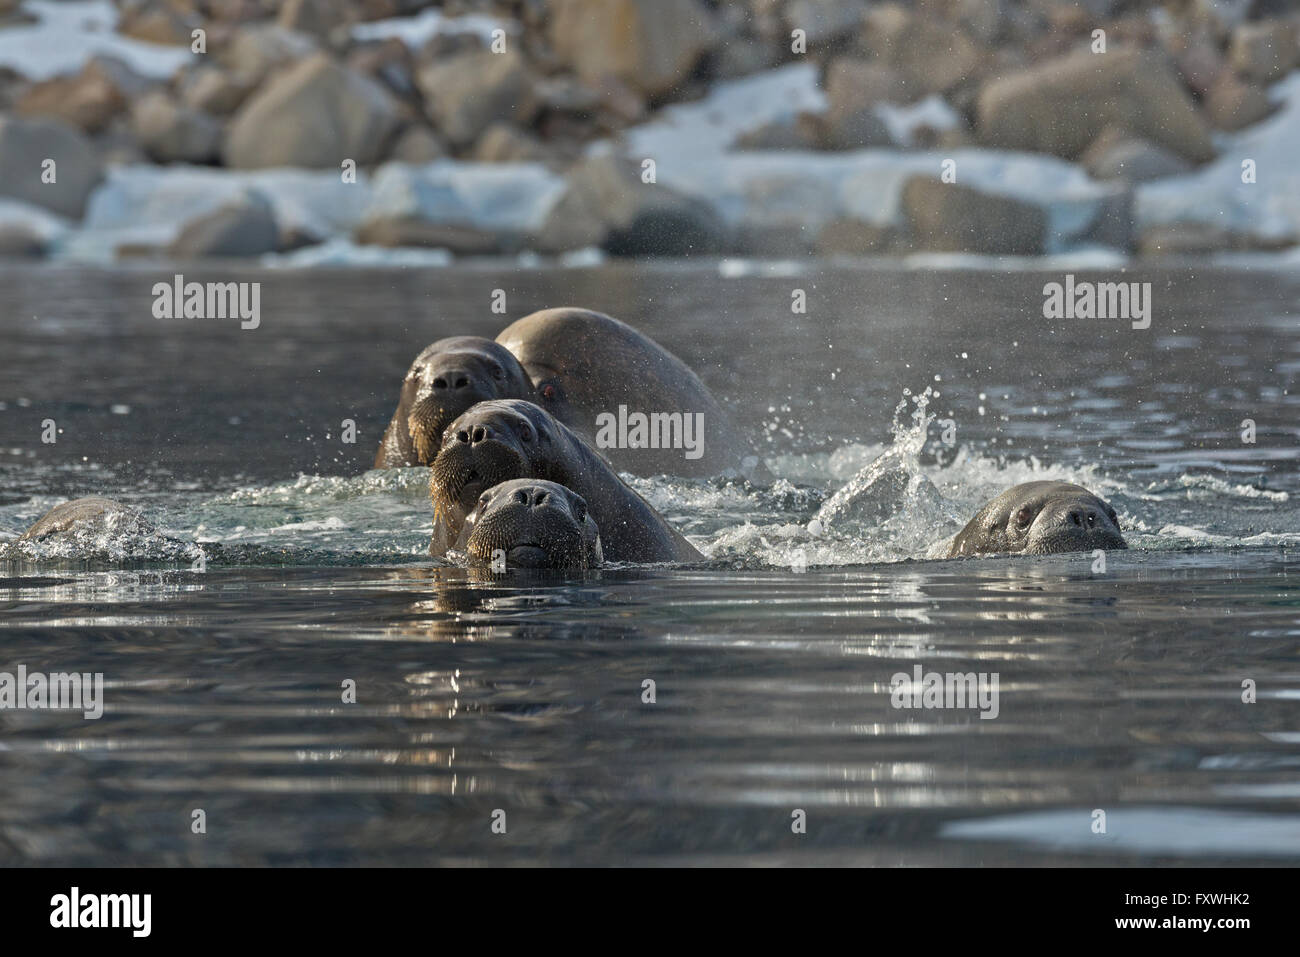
(1120, 688)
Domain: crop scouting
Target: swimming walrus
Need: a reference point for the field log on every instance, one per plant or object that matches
(596, 374)
(445, 379)
(529, 523)
(1040, 518)
(508, 439)
(91, 513)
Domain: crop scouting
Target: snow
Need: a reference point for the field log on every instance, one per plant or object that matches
(418, 30)
(68, 34)
(1215, 195)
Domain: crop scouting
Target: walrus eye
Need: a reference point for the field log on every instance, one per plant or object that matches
(579, 510)
(548, 393)
(1023, 516)
(526, 433)
(498, 372)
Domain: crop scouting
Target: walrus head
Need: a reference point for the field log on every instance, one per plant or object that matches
(526, 523)
(492, 443)
(1041, 518)
(448, 378)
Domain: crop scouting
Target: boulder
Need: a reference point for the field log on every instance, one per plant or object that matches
(929, 54)
(503, 143)
(1232, 104)
(459, 238)
(158, 22)
(467, 93)
(824, 21)
(1264, 50)
(1116, 155)
(418, 145)
(25, 145)
(244, 226)
(1061, 106)
(852, 84)
(606, 204)
(947, 217)
(20, 242)
(255, 51)
(318, 18)
(88, 100)
(214, 90)
(170, 133)
(652, 45)
(316, 114)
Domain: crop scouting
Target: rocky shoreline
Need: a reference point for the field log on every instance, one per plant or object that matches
(647, 127)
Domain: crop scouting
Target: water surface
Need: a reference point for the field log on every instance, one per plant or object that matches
(1120, 688)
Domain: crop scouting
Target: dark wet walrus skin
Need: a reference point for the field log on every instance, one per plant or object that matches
(530, 523)
(1040, 518)
(446, 379)
(584, 363)
(495, 442)
(87, 511)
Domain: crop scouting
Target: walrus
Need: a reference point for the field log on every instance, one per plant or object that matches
(1040, 518)
(529, 523)
(508, 439)
(91, 513)
(592, 372)
(446, 379)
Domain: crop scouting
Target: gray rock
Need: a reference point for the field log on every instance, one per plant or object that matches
(467, 93)
(26, 144)
(1061, 106)
(316, 114)
(1265, 50)
(243, 227)
(418, 145)
(652, 45)
(947, 217)
(461, 239)
(20, 242)
(213, 90)
(1118, 156)
(1232, 104)
(606, 203)
(170, 133)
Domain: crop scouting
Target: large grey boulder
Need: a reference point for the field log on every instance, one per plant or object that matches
(26, 145)
(244, 226)
(946, 217)
(1061, 106)
(316, 114)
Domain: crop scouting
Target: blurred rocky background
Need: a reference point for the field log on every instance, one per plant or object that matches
(331, 131)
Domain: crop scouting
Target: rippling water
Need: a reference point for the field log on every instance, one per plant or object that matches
(1120, 689)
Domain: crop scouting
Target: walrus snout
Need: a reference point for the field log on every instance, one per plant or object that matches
(1041, 518)
(525, 523)
(1073, 524)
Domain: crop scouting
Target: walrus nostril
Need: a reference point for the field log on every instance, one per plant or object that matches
(1092, 517)
(440, 383)
(463, 437)
(539, 498)
(521, 496)
(461, 382)
(480, 434)
(1076, 517)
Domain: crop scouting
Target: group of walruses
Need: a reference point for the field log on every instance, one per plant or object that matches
(524, 438)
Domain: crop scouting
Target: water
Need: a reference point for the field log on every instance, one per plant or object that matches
(1120, 689)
